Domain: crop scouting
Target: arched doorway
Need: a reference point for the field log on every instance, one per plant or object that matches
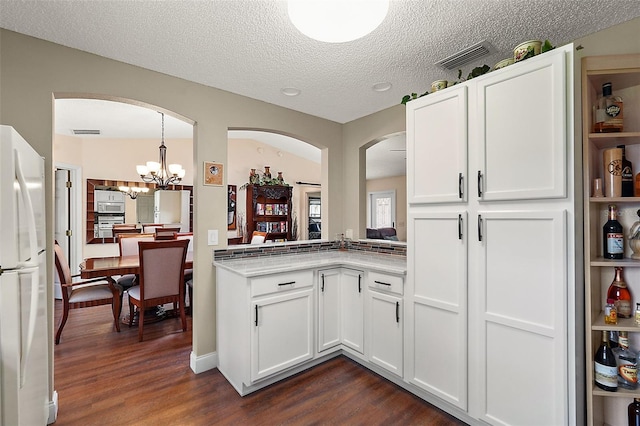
(299, 161)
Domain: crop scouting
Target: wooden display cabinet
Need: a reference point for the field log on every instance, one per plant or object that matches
(623, 71)
(269, 210)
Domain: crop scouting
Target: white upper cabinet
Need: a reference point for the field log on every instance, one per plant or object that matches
(437, 147)
(521, 128)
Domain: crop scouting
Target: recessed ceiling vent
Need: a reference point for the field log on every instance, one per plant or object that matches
(85, 132)
(465, 56)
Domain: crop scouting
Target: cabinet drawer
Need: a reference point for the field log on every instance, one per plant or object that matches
(386, 282)
(281, 282)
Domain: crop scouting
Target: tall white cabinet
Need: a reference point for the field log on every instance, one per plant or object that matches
(490, 316)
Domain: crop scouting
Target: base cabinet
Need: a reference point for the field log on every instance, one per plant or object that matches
(340, 309)
(329, 311)
(385, 321)
(283, 332)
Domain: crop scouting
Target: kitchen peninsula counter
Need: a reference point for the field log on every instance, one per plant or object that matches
(260, 265)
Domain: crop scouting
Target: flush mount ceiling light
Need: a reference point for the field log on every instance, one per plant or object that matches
(337, 21)
(381, 87)
(290, 91)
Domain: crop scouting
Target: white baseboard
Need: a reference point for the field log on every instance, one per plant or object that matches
(200, 364)
(53, 408)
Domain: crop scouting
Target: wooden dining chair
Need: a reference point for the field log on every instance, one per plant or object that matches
(165, 234)
(161, 279)
(84, 294)
(258, 237)
(188, 273)
(128, 246)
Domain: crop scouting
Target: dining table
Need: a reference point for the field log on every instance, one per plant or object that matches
(114, 266)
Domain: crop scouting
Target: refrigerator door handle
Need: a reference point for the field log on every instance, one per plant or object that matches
(33, 261)
(30, 215)
(31, 327)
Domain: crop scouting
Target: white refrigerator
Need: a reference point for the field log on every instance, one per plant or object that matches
(24, 363)
(172, 208)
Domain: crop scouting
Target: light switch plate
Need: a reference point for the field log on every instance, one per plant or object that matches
(349, 234)
(212, 237)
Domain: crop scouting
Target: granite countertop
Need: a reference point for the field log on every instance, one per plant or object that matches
(261, 265)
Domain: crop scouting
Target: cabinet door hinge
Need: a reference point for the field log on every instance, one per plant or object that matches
(69, 184)
(69, 233)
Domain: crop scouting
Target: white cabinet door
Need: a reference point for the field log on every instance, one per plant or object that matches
(436, 304)
(329, 312)
(352, 309)
(437, 147)
(522, 129)
(385, 331)
(282, 332)
(520, 323)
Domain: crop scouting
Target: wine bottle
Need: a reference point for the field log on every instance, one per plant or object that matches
(609, 110)
(627, 362)
(627, 175)
(612, 238)
(634, 412)
(606, 371)
(619, 292)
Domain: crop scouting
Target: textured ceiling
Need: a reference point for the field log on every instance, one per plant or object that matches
(249, 47)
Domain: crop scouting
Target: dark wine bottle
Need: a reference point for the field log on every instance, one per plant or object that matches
(634, 412)
(612, 236)
(627, 175)
(606, 370)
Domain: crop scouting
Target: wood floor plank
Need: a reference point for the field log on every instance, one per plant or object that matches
(109, 378)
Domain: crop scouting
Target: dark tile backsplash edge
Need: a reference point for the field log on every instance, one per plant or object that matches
(248, 251)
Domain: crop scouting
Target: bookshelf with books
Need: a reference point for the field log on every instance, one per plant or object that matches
(269, 210)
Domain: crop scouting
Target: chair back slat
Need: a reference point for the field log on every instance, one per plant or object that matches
(186, 236)
(162, 268)
(128, 243)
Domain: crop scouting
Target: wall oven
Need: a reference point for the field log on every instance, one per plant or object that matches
(104, 225)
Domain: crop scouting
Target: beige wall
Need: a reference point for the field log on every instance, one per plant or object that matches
(357, 136)
(398, 184)
(33, 72)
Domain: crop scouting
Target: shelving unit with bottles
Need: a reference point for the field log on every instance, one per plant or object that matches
(269, 210)
(623, 71)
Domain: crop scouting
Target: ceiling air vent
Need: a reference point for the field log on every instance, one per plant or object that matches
(85, 132)
(465, 56)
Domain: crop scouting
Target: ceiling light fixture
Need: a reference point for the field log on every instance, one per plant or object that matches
(290, 91)
(381, 87)
(133, 191)
(158, 173)
(337, 21)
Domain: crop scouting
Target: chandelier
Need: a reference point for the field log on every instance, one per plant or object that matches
(133, 191)
(157, 172)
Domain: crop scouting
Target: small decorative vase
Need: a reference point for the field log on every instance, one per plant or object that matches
(267, 172)
(253, 177)
(280, 178)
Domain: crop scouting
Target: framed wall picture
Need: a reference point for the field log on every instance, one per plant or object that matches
(213, 173)
(231, 209)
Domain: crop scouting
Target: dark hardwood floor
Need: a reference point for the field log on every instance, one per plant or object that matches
(109, 378)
